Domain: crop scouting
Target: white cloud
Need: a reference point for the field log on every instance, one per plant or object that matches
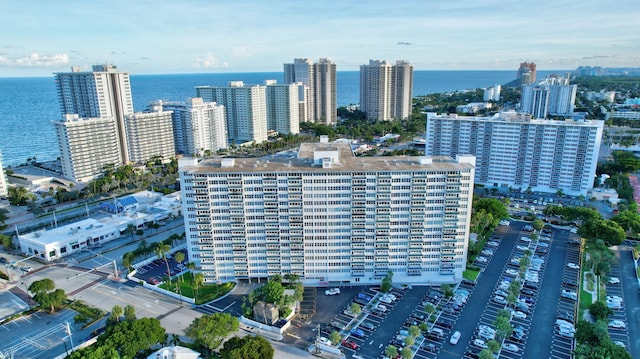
(35, 60)
(209, 62)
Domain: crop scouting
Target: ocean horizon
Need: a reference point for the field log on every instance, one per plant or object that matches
(29, 104)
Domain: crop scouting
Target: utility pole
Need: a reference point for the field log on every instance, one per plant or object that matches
(317, 338)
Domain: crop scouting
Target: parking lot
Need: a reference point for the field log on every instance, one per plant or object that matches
(153, 272)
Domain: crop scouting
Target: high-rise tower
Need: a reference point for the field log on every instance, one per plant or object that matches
(103, 93)
(386, 90)
(320, 78)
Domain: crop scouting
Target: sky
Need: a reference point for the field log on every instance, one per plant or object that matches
(38, 38)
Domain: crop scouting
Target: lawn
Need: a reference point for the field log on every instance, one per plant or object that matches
(471, 274)
(206, 293)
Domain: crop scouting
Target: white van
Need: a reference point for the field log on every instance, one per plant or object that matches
(437, 332)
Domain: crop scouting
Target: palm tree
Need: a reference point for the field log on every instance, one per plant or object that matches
(198, 281)
(162, 250)
(179, 258)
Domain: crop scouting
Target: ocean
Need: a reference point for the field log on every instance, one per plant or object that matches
(28, 105)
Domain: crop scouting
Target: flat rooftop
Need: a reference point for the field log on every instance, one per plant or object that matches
(305, 162)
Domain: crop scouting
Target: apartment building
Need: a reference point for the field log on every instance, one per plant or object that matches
(320, 79)
(150, 134)
(553, 96)
(87, 145)
(283, 110)
(198, 126)
(328, 216)
(514, 150)
(246, 110)
(4, 190)
(386, 90)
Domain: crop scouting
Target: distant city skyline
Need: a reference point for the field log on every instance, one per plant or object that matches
(163, 37)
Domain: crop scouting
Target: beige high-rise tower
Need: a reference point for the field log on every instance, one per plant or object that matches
(320, 78)
(386, 90)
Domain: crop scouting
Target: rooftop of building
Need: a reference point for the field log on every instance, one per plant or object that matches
(517, 117)
(325, 156)
(77, 231)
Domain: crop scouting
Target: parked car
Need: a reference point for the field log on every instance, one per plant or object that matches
(482, 259)
(332, 291)
(510, 347)
(455, 338)
(617, 324)
(569, 294)
(614, 280)
(350, 344)
(358, 333)
(479, 343)
(499, 300)
(153, 281)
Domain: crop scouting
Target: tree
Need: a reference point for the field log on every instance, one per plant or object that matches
(409, 340)
(249, 347)
(131, 229)
(486, 354)
(406, 352)
(162, 250)
(446, 289)
(129, 313)
(6, 241)
(537, 224)
(414, 331)
(3, 216)
(387, 282)
(116, 313)
(335, 337)
(355, 308)
(179, 256)
(208, 331)
(273, 291)
(19, 196)
(130, 337)
(493, 345)
(429, 308)
(503, 326)
(198, 281)
(599, 310)
(46, 295)
(391, 351)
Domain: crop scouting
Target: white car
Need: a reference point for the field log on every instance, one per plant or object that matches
(620, 344)
(574, 230)
(573, 266)
(511, 272)
(617, 324)
(520, 315)
(522, 248)
(381, 308)
(614, 280)
(569, 294)
(493, 243)
(525, 239)
(482, 259)
(504, 222)
(510, 347)
(26, 269)
(487, 252)
(332, 291)
(455, 338)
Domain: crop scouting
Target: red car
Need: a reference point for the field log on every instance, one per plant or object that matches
(153, 281)
(350, 344)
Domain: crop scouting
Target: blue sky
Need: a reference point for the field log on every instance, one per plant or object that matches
(190, 36)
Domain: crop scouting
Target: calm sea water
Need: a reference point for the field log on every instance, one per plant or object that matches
(27, 105)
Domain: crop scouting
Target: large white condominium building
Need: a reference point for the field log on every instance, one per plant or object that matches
(328, 216)
(386, 90)
(4, 190)
(86, 146)
(283, 107)
(492, 93)
(554, 96)
(150, 134)
(104, 92)
(245, 107)
(198, 126)
(513, 150)
(320, 78)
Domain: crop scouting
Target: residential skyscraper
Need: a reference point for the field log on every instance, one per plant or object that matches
(492, 93)
(87, 145)
(328, 216)
(4, 190)
(104, 92)
(245, 107)
(198, 126)
(554, 96)
(283, 107)
(320, 78)
(513, 150)
(150, 134)
(386, 90)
